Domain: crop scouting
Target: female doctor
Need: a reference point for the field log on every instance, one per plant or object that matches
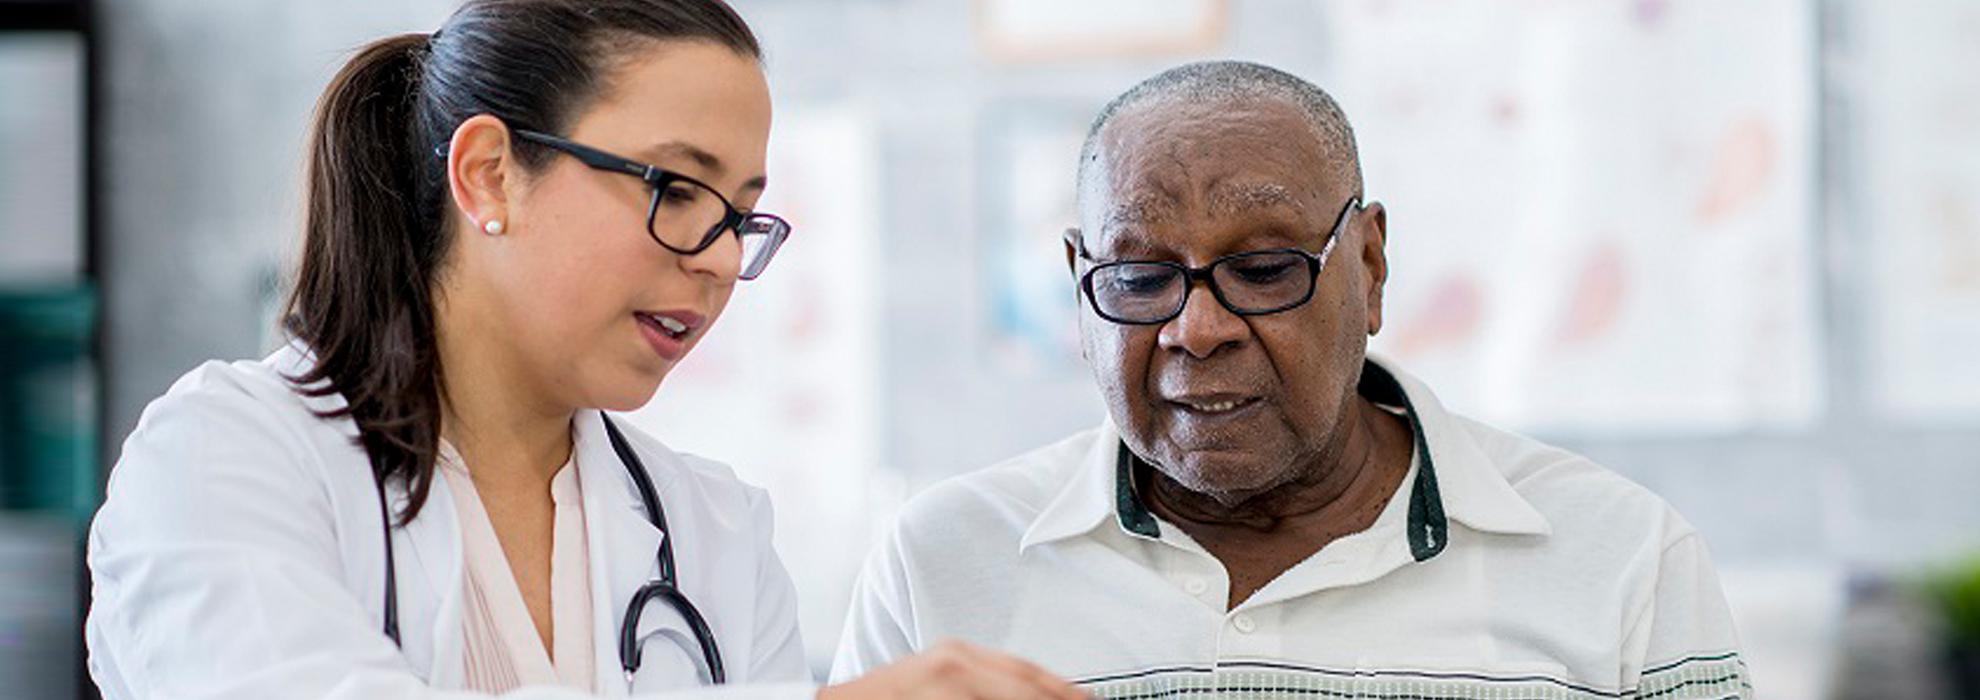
(514, 225)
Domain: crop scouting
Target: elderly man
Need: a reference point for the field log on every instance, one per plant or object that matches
(1269, 511)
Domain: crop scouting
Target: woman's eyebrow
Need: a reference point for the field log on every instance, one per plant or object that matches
(710, 163)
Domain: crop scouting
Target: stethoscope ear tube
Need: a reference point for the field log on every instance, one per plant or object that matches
(391, 568)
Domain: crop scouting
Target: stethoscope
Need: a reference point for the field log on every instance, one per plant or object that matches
(664, 587)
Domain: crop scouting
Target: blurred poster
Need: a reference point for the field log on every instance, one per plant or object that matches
(1920, 241)
(1030, 153)
(786, 388)
(1600, 213)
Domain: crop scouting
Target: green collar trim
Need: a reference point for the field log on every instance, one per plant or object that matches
(1133, 514)
(1429, 529)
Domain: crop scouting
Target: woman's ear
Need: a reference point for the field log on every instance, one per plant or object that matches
(479, 164)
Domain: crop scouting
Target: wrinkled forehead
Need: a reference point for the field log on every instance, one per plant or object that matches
(1170, 162)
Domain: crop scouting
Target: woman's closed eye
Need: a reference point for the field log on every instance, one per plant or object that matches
(680, 194)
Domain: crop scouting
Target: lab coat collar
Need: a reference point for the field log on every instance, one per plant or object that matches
(616, 522)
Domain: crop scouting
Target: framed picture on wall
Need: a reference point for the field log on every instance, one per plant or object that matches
(1046, 30)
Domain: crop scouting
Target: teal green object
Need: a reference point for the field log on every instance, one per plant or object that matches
(48, 441)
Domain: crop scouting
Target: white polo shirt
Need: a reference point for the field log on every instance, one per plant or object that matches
(1501, 568)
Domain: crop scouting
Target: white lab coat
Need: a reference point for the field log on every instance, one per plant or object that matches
(238, 555)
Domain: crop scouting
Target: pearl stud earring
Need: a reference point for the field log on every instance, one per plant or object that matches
(493, 227)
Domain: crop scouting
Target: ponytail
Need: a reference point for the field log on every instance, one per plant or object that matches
(363, 293)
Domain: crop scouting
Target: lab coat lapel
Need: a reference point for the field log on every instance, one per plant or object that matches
(433, 542)
(623, 542)
(427, 551)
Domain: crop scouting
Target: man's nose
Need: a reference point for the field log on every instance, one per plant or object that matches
(1204, 326)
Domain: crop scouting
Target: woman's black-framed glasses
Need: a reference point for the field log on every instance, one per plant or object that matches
(686, 215)
(1253, 283)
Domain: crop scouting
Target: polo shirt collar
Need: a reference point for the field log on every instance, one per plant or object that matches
(1474, 490)
(1455, 478)
(1091, 498)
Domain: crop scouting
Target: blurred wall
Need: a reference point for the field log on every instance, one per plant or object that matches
(207, 104)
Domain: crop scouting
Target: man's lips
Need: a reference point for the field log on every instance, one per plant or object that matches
(1214, 403)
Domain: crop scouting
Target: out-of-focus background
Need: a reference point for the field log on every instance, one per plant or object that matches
(1729, 248)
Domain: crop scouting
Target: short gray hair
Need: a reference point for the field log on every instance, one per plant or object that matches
(1221, 81)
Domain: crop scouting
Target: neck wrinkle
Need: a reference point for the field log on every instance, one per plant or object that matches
(1342, 486)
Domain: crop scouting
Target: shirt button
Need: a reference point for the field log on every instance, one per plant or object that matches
(1245, 624)
(1195, 586)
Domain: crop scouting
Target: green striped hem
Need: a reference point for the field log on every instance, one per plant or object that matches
(1705, 677)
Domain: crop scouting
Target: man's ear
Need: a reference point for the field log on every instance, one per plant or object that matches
(1373, 223)
(1071, 238)
(1073, 247)
(478, 163)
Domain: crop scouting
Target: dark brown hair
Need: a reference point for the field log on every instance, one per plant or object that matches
(375, 230)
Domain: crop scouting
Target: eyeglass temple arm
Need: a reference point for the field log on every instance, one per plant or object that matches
(591, 156)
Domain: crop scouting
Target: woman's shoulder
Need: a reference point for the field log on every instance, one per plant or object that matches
(230, 446)
(270, 379)
(263, 390)
(237, 408)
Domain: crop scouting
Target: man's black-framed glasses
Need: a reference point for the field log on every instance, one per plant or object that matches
(686, 215)
(1252, 283)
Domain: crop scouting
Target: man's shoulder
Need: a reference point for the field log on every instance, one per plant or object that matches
(1002, 500)
(1580, 498)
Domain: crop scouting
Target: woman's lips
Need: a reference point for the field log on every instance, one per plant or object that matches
(668, 332)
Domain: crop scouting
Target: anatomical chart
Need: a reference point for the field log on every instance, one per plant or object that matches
(1920, 225)
(1600, 214)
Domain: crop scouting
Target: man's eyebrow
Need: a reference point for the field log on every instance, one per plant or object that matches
(1117, 248)
(1234, 199)
(710, 163)
(1115, 240)
(1137, 211)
